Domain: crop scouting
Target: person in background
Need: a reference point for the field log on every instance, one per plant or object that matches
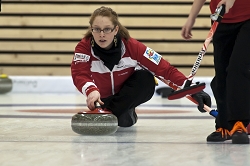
(117, 71)
(231, 83)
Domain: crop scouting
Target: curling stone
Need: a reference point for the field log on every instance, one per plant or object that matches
(5, 84)
(164, 91)
(96, 122)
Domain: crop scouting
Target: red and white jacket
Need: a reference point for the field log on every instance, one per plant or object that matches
(89, 72)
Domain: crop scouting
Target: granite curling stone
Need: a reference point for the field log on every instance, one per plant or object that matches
(5, 84)
(96, 122)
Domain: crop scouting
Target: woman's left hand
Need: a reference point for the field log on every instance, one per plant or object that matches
(228, 3)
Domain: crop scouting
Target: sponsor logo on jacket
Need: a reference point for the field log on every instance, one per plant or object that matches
(79, 57)
(152, 55)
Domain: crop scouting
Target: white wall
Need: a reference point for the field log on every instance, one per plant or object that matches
(64, 84)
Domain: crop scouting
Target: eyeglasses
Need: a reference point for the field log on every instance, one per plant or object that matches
(105, 30)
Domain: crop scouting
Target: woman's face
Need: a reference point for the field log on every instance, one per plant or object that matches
(103, 31)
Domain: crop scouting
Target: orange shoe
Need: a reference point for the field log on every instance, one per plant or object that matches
(239, 134)
(220, 135)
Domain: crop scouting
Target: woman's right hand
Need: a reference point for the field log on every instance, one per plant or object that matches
(92, 98)
(186, 29)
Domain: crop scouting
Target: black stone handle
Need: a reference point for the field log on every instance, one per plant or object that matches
(97, 105)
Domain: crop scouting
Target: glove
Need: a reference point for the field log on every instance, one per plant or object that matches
(202, 98)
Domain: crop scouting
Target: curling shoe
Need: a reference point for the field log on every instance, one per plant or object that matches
(239, 134)
(128, 118)
(220, 135)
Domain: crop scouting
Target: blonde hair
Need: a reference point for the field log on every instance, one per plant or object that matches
(107, 12)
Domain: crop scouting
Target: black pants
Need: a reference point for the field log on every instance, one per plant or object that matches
(137, 89)
(231, 84)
